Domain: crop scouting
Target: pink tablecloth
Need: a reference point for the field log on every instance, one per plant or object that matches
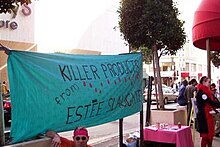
(181, 137)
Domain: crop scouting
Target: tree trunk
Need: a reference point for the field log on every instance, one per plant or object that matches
(161, 100)
(155, 81)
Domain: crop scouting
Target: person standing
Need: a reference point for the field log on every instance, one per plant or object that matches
(5, 90)
(216, 115)
(80, 138)
(189, 93)
(182, 101)
(214, 91)
(205, 103)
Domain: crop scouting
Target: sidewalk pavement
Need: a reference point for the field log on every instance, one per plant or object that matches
(216, 140)
(113, 141)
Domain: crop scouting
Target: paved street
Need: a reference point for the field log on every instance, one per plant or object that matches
(107, 135)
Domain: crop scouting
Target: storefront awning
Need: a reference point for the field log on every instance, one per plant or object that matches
(206, 22)
(199, 75)
(184, 74)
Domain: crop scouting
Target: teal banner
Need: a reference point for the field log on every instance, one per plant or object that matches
(61, 91)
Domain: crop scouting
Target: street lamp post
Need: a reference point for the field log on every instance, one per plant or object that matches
(173, 69)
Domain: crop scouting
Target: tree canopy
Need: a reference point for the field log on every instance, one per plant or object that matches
(215, 58)
(153, 25)
(152, 22)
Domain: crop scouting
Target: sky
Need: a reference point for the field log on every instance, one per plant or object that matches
(60, 24)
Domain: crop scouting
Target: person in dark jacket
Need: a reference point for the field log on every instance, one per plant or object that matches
(216, 115)
(182, 100)
(188, 94)
(205, 104)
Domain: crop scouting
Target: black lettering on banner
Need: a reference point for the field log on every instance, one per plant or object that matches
(62, 96)
(104, 69)
(94, 71)
(135, 99)
(127, 99)
(127, 68)
(121, 68)
(93, 109)
(85, 68)
(120, 103)
(116, 68)
(66, 94)
(69, 115)
(64, 74)
(57, 100)
(78, 114)
(131, 64)
(127, 63)
(81, 78)
(99, 108)
(74, 87)
(75, 114)
(137, 65)
(110, 69)
(87, 109)
(111, 102)
(74, 75)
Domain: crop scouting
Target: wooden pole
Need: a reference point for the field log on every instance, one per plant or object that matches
(147, 123)
(141, 127)
(121, 132)
(208, 58)
(2, 124)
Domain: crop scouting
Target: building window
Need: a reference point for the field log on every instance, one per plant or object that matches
(193, 67)
(187, 66)
(200, 67)
(165, 68)
(151, 69)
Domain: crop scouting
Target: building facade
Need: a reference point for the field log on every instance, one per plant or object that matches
(189, 63)
(17, 33)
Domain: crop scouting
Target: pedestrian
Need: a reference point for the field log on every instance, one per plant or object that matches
(214, 91)
(216, 115)
(80, 138)
(182, 101)
(189, 93)
(5, 90)
(205, 103)
(178, 86)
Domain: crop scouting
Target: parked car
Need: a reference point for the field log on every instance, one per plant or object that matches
(7, 109)
(168, 95)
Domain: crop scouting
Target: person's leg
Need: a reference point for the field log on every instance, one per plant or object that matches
(189, 107)
(210, 142)
(204, 142)
(217, 124)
